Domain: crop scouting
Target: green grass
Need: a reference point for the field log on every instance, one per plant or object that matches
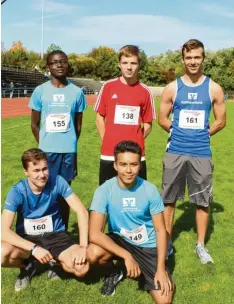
(196, 283)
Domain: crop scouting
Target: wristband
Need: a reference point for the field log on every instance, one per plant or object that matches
(83, 246)
(34, 249)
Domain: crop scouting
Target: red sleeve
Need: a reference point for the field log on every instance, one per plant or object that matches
(148, 109)
(100, 106)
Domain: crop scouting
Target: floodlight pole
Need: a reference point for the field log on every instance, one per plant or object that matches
(42, 29)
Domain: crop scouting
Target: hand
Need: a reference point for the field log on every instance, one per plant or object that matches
(43, 255)
(133, 269)
(79, 255)
(162, 278)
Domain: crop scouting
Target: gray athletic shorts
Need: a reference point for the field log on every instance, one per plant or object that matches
(195, 171)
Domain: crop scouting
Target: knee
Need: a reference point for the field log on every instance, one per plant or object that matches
(93, 254)
(6, 251)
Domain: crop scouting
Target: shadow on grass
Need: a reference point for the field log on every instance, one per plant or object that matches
(187, 222)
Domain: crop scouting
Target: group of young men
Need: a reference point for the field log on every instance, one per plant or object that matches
(140, 220)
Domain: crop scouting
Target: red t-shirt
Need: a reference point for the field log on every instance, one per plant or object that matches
(124, 107)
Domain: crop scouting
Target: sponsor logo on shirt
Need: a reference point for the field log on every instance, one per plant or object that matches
(114, 96)
(129, 204)
(192, 96)
(58, 97)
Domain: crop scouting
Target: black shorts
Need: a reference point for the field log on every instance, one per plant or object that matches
(54, 242)
(145, 257)
(107, 170)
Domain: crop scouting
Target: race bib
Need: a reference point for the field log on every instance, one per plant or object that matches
(126, 115)
(38, 226)
(191, 119)
(57, 122)
(138, 236)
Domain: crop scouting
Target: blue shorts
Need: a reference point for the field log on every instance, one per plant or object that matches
(64, 164)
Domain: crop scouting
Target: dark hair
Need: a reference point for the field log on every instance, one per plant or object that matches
(128, 51)
(32, 155)
(55, 52)
(192, 44)
(127, 146)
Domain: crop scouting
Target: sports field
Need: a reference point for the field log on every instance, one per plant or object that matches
(196, 283)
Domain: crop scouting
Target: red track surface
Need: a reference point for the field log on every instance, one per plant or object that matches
(19, 106)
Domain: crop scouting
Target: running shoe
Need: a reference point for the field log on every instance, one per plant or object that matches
(203, 254)
(24, 277)
(110, 282)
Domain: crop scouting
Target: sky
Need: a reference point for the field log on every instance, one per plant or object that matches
(77, 26)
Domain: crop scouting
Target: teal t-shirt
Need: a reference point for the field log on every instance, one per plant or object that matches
(58, 107)
(130, 211)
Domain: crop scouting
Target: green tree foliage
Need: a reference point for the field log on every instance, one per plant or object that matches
(102, 63)
(53, 47)
(106, 63)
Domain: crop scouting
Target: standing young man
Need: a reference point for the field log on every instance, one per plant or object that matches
(188, 158)
(137, 231)
(40, 231)
(56, 120)
(125, 111)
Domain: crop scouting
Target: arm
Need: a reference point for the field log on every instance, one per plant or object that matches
(98, 237)
(35, 123)
(78, 123)
(14, 239)
(166, 106)
(219, 108)
(161, 274)
(10, 236)
(147, 128)
(100, 124)
(82, 217)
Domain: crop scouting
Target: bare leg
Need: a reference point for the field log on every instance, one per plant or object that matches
(202, 218)
(169, 213)
(12, 256)
(162, 299)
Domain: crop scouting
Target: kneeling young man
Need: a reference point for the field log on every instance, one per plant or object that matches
(137, 231)
(40, 232)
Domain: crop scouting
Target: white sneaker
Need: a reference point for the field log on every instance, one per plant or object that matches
(203, 254)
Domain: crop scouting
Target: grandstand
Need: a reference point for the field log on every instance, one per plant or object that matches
(92, 86)
(25, 81)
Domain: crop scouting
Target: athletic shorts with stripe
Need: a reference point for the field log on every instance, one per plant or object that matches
(196, 172)
(146, 259)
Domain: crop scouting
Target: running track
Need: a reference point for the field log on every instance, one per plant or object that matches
(19, 106)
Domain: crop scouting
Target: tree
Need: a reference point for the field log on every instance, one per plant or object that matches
(106, 62)
(53, 47)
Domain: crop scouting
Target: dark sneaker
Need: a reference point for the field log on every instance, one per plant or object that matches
(110, 282)
(170, 249)
(203, 254)
(54, 271)
(25, 276)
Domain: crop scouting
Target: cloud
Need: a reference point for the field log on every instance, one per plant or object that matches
(216, 9)
(140, 29)
(54, 7)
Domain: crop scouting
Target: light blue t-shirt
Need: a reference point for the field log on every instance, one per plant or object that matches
(28, 205)
(130, 211)
(58, 107)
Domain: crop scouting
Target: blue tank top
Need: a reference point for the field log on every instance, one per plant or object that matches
(189, 134)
